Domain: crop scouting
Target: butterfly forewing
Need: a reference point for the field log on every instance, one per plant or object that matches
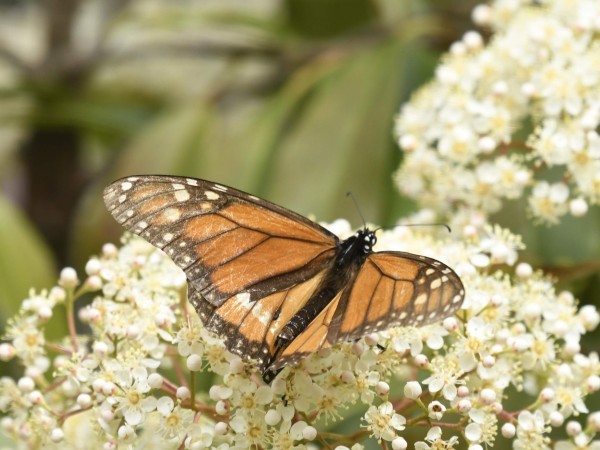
(228, 242)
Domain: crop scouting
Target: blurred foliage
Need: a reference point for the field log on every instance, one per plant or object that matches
(292, 100)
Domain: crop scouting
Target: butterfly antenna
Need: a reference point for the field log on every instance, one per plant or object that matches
(445, 225)
(351, 195)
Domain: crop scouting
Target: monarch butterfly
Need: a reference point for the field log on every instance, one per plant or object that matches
(275, 285)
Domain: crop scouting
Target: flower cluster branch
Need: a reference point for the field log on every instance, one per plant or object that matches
(518, 116)
(134, 379)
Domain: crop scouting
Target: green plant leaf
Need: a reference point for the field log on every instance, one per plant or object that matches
(25, 260)
(343, 141)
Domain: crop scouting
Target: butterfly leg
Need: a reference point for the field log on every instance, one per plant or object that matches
(270, 374)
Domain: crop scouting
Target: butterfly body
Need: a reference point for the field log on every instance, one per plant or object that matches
(275, 285)
(350, 256)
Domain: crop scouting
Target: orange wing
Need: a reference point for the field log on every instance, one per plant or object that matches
(250, 329)
(396, 289)
(250, 264)
(228, 242)
(312, 339)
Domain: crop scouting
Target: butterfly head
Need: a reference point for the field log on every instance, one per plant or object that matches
(368, 239)
(356, 248)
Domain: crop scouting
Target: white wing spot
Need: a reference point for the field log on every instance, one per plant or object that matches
(211, 195)
(126, 185)
(447, 307)
(436, 283)
(403, 315)
(447, 270)
(218, 187)
(178, 186)
(171, 214)
(182, 244)
(182, 195)
(143, 225)
(168, 236)
(241, 301)
(191, 181)
(129, 213)
(262, 316)
(444, 278)
(122, 198)
(254, 197)
(429, 271)
(133, 178)
(457, 298)
(420, 317)
(421, 298)
(432, 315)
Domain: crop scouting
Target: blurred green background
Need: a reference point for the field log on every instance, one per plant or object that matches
(290, 100)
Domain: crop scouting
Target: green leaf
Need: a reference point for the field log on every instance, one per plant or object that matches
(25, 260)
(343, 140)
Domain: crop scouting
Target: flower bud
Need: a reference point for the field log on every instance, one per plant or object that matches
(382, 388)
(68, 278)
(272, 417)
(183, 393)
(57, 435)
(399, 443)
(413, 390)
(309, 433)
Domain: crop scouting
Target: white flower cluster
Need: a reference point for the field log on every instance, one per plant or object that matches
(148, 375)
(520, 114)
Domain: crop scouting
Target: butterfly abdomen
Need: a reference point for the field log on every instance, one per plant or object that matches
(350, 256)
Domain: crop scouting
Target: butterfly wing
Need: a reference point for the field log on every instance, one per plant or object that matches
(396, 289)
(244, 257)
(390, 289)
(310, 340)
(250, 329)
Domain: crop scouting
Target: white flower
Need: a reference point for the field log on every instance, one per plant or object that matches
(382, 421)
(131, 400)
(530, 431)
(435, 441)
(175, 421)
(465, 133)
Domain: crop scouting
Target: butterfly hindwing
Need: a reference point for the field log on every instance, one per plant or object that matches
(310, 340)
(250, 329)
(396, 289)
